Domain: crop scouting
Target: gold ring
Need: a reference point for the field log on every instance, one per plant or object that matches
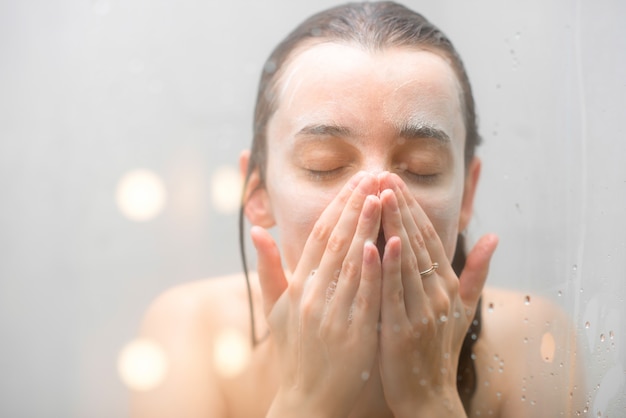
(432, 268)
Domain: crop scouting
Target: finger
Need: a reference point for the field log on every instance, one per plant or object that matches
(318, 238)
(414, 235)
(352, 267)
(367, 301)
(271, 274)
(393, 226)
(428, 232)
(438, 288)
(476, 268)
(341, 237)
(434, 286)
(392, 309)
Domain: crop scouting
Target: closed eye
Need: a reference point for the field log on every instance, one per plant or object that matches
(424, 178)
(320, 175)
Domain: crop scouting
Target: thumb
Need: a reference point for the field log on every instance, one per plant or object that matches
(474, 273)
(271, 274)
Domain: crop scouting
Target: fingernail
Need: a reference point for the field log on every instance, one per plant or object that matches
(370, 252)
(393, 247)
(368, 207)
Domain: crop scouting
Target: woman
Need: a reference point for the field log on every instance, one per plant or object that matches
(363, 160)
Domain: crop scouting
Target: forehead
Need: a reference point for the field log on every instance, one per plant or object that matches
(321, 71)
(394, 85)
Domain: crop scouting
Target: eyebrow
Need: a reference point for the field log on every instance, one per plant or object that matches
(418, 130)
(325, 130)
(423, 130)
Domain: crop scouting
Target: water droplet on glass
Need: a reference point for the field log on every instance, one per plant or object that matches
(611, 334)
(587, 324)
(602, 338)
(527, 300)
(443, 318)
(517, 35)
(574, 267)
(365, 375)
(490, 309)
(523, 398)
(559, 293)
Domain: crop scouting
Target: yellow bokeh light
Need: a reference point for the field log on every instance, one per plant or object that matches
(226, 189)
(140, 195)
(142, 365)
(231, 353)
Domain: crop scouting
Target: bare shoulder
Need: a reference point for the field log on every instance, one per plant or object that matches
(528, 349)
(523, 315)
(206, 302)
(183, 322)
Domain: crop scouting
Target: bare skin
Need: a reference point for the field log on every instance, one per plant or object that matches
(185, 321)
(367, 187)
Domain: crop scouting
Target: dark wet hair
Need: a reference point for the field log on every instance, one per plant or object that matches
(372, 26)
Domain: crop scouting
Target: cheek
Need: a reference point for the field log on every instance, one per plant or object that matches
(443, 210)
(296, 209)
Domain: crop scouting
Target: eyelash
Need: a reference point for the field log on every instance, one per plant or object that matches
(422, 178)
(320, 175)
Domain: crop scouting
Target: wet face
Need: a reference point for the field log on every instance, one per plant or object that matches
(342, 109)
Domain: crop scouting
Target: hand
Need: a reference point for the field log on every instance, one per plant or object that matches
(324, 320)
(424, 319)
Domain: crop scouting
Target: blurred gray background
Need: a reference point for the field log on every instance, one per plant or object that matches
(92, 90)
